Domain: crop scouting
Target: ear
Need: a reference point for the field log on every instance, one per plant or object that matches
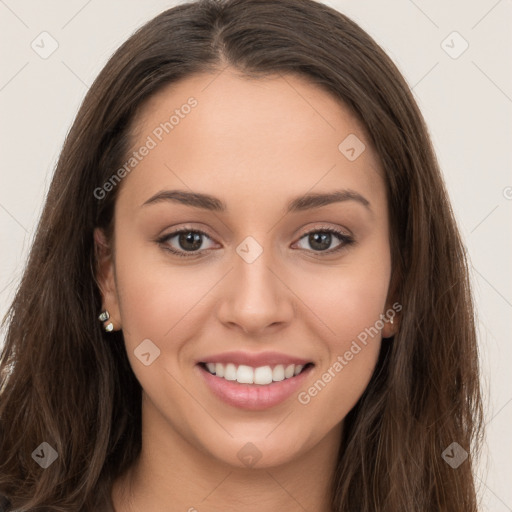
(391, 314)
(105, 277)
(393, 308)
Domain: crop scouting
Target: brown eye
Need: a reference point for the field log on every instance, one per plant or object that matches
(187, 241)
(320, 240)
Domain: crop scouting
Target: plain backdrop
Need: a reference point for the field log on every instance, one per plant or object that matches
(464, 93)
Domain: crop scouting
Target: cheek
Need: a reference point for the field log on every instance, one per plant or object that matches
(155, 298)
(347, 300)
(347, 322)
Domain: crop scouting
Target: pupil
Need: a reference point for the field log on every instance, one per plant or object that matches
(190, 237)
(320, 241)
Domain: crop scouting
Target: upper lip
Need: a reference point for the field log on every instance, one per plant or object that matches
(254, 359)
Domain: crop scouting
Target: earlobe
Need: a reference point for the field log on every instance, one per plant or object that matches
(393, 306)
(391, 325)
(388, 331)
(105, 277)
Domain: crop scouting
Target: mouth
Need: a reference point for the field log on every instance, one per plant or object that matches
(253, 388)
(261, 375)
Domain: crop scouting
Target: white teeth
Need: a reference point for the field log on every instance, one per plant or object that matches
(289, 370)
(278, 373)
(263, 375)
(248, 375)
(244, 374)
(230, 372)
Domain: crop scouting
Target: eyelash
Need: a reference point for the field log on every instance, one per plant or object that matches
(344, 238)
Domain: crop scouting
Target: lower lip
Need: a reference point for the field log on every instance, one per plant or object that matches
(253, 397)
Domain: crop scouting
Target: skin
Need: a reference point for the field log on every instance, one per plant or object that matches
(254, 144)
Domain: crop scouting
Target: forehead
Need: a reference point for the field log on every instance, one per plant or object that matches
(250, 139)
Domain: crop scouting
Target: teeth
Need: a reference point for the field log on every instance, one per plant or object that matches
(278, 373)
(263, 375)
(289, 371)
(244, 374)
(230, 372)
(248, 375)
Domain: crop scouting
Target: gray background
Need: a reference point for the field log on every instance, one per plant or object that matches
(467, 103)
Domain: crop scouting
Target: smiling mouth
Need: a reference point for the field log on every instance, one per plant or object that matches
(262, 375)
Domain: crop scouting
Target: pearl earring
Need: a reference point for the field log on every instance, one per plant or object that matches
(103, 317)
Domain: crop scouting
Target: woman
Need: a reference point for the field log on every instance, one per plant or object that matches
(312, 349)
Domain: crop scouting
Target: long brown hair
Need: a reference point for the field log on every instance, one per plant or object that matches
(63, 382)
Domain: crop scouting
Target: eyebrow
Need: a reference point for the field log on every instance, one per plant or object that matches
(298, 204)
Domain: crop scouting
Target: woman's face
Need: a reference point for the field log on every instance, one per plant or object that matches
(261, 283)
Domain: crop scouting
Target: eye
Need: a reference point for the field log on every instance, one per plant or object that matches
(320, 240)
(188, 241)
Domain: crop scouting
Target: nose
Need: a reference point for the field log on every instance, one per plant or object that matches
(255, 297)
